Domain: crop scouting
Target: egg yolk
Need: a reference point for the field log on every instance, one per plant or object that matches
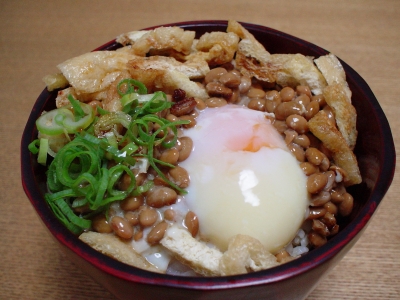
(243, 179)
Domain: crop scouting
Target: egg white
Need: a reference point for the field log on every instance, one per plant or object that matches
(243, 179)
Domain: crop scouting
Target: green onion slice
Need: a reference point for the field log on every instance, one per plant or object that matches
(79, 113)
(43, 149)
(62, 120)
(79, 175)
(129, 86)
(33, 147)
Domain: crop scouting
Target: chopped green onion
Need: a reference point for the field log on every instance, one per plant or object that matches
(47, 124)
(117, 155)
(143, 188)
(129, 98)
(79, 113)
(43, 148)
(80, 122)
(60, 214)
(85, 185)
(33, 147)
(156, 104)
(130, 148)
(62, 194)
(115, 174)
(79, 202)
(79, 175)
(62, 120)
(152, 160)
(74, 219)
(102, 111)
(111, 139)
(107, 122)
(101, 190)
(131, 86)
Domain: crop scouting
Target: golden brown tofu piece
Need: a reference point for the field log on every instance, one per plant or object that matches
(345, 113)
(333, 140)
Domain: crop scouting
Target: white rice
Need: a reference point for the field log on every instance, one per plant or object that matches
(299, 245)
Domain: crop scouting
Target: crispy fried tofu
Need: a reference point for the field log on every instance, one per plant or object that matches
(129, 38)
(167, 80)
(333, 140)
(55, 81)
(244, 34)
(345, 113)
(254, 60)
(219, 46)
(298, 69)
(62, 96)
(160, 39)
(333, 71)
(245, 254)
(199, 256)
(112, 100)
(192, 69)
(111, 245)
(94, 71)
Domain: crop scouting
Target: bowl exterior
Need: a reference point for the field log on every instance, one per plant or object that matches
(293, 288)
(293, 280)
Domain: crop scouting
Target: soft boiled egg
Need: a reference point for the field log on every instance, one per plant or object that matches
(243, 179)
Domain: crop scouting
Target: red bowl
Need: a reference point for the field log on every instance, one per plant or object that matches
(294, 280)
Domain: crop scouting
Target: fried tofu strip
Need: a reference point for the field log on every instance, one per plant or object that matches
(244, 34)
(333, 71)
(129, 38)
(159, 39)
(200, 257)
(62, 96)
(345, 113)
(333, 140)
(111, 245)
(192, 69)
(94, 71)
(166, 80)
(219, 47)
(254, 60)
(55, 81)
(246, 253)
(298, 69)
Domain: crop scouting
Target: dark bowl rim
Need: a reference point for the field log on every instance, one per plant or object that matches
(276, 274)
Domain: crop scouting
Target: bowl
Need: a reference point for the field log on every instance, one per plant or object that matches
(294, 280)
